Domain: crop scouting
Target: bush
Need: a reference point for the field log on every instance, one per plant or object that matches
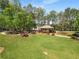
(24, 34)
(75, 35)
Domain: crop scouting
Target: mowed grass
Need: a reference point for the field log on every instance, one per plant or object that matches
(38, 47)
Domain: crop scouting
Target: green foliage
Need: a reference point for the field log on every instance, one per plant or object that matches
(68, 20)
(76, 22)
(3, 4)
(2, 22)
(30, 22)
(39, 14)
(18, 19)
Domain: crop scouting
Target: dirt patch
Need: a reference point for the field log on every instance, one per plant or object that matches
(1, 50)
(3, 33)
(49, 54)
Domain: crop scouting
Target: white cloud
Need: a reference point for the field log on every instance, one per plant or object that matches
(50, 1)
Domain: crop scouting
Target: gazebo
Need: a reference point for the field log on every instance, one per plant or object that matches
(46, 29)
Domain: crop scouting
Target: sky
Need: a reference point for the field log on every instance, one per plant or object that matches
(57, 5)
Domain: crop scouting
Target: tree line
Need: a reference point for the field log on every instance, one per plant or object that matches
(16, 18)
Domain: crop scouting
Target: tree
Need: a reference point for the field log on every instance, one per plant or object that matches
(3, 4)
(24, 21)
(29, 8)
(9, 13)
(39, 15)
(30, 23)
(2, 22)
(77, 23)
(70, 15)
(51, 17)
(20, 19)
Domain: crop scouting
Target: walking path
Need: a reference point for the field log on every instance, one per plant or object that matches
(62, 36)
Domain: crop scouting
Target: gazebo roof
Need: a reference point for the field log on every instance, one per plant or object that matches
(47, 27)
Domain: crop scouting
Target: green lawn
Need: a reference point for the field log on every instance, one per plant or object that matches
(35, 46)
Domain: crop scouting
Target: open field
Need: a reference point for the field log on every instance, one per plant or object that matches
(38, 47)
